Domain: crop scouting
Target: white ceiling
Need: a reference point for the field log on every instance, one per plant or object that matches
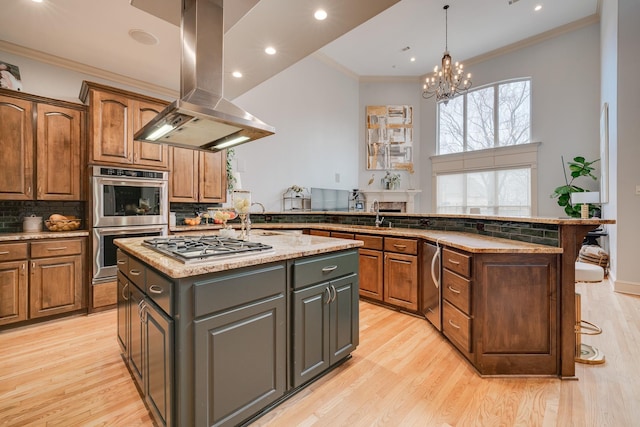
(360, 35)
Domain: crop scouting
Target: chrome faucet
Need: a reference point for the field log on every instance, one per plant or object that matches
(375, 205)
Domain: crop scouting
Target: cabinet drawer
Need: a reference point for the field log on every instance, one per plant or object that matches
(341, 235)
(160, 290)
(13, 251)
(405, 246)
(456, 290)
(308, 271)
(122, 261)
(456, 262)
(54, 248)
(456, 326)
(136, 273)
(371, 242)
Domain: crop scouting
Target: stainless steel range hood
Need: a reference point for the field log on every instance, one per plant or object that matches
(202, 118)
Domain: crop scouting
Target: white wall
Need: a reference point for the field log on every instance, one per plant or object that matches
(620, 67)
(314, 109)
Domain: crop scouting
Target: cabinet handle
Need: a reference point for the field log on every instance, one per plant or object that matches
(335, 293)
(141, 305)
(29, 190)
(124, 288)
(328, 295)
(4, 253)
(33, 268)
(329, 269)
(454, 262)
(135, 272)
(120, 261)
(24, 267)
(455, 291)
(435, 261)
(453, 324)
(39, 191)
(59, 248)
(401, 247)
(156, 289)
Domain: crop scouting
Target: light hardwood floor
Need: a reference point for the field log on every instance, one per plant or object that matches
(70, 373)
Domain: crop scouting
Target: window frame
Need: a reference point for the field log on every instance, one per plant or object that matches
(496, 123)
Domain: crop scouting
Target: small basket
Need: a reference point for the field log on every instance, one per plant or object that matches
(62, 224)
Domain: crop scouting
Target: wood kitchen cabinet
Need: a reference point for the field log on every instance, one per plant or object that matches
(115, 116)
(401, 272)
(13, 282)
(197, 176)
(42, 141)
(56, 277)
(371, 266)
(500, 310)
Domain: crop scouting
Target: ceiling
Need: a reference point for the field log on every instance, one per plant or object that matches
(365, 37)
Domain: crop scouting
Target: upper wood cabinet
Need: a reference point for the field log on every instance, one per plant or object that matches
(42, 148)
(197, 176)
(114, 117)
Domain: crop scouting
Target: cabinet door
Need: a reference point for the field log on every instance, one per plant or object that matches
(16, 137)
(401, 280)
(240, 361)
(148, 153)
(183, 179)
(56, 285)
(344, 318)
(311, 353)
(111, 128)
(123, 314)
(159, 363)
(136, 335)
(212, 181)
(371, 278)
(13, 292)
(58, 153)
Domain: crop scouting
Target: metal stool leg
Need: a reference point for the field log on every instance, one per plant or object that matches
(586, 353)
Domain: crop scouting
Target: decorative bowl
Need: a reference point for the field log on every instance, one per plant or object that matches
(70, 224)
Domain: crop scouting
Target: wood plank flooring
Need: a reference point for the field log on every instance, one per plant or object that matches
(69, 373)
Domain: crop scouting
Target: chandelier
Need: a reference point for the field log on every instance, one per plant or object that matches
(448, 81)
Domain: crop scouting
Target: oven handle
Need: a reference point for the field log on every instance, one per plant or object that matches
(130, 182)
(129, 229)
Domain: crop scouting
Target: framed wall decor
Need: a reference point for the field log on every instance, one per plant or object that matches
(604, 154)
(389, 137)
(10, 76)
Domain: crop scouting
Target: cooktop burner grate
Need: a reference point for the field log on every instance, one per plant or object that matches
(202, 248)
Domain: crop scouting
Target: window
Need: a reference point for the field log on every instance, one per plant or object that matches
(486, 162)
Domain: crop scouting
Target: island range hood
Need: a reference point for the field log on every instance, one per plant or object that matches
(202, 118)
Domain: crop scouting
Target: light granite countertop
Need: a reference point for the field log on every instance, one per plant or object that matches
(285, 246)
(8, 237)
(474, 243)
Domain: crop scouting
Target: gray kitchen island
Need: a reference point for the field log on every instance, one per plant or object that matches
(221, 340)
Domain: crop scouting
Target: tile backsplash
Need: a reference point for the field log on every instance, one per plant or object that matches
(13, 212)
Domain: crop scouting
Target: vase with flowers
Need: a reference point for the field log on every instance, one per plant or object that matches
(391, 181)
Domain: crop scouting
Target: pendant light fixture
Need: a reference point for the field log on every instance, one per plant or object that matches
(448, 81)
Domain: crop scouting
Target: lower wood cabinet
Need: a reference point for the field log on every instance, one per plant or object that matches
(48, 282)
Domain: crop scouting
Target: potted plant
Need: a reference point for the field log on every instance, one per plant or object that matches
(579, 167)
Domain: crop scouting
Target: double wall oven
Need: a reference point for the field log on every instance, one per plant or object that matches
(126, 203)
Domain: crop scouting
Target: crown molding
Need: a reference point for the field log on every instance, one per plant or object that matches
(539, 38)
(85, 69)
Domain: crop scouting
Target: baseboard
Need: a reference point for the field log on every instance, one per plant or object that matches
(626, 287)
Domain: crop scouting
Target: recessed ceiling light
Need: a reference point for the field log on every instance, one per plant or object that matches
(538, 7)
(144, 37)
(37, 1)
(270, 50)
(236, 74)
(320, 15)
(413, 59)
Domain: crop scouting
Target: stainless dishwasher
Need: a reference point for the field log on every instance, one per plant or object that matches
(431, 291)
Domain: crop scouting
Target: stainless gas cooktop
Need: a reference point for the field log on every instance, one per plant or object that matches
(192, 249)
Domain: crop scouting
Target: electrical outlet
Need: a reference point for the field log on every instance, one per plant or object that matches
(337, 177)
(637, 190)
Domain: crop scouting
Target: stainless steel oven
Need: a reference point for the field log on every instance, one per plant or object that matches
(105, 267)
(125, 203)
(124, 197)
